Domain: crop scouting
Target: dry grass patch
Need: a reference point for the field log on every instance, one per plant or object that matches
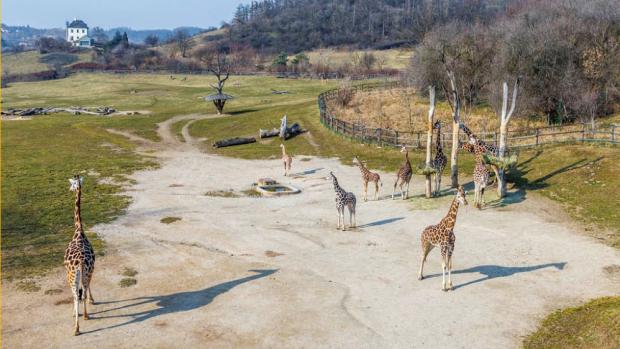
(272, 254)
(222, 193)
(127, 282)
(52, 291)
(169, 220)
(28, 286)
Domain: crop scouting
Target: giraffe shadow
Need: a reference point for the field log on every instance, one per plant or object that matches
(306, 172)
(175, 302)
(497, 271)
(380, 222)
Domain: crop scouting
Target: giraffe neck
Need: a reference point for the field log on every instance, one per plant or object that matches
(438, 147)
(77, 213)
(337, 188)
(407, 157)
(283, 152)
(450, 219)
(363, 169)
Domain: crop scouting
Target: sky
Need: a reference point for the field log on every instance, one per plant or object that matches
(136, 14)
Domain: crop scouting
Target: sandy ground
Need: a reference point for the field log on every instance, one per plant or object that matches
(274, 272)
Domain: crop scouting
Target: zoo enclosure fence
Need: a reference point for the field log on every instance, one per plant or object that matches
(520, 138)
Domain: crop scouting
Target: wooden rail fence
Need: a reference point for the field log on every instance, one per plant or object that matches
(522, 138)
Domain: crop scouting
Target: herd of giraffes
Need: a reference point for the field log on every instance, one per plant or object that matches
(79, 259)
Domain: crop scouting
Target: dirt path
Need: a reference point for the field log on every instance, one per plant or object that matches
(273, 272)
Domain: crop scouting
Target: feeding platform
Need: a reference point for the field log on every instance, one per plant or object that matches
(269, 187)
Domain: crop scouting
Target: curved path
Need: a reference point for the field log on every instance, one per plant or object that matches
(273, 272)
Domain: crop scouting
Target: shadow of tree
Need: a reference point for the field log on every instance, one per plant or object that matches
(176, 302)
(497, 271)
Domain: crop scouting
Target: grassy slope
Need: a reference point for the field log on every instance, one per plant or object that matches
(28, 62)
(37, 208)
(394, 58)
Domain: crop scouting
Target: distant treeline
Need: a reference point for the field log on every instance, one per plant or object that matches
(296, 25)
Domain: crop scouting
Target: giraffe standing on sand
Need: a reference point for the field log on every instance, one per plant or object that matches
(403, 175)
(481, 175)
(442, 236)
(287, 159)
(79, 258)
(368, 176)
(440, 160)
(343, 199)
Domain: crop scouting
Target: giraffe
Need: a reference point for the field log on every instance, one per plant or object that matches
(368, 176)
(287, 159)
(481, 175)
(403, 175)
(79, 258)
(440, 161)
(442, 236)
(473, 139)
(343, 199)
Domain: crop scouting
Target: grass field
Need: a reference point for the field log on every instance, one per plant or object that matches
(40, 155)
(30, 62)
(392, 58)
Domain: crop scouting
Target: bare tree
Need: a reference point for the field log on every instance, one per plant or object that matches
(429, 139)
(455, 103)
(183, 41)
(217, 63)
(503, 134)
(151, 40)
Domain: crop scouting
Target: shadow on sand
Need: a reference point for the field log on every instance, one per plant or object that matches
(497, 271)
(380, 222)
(175, 302)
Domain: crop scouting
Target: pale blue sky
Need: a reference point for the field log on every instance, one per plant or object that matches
(137, 14)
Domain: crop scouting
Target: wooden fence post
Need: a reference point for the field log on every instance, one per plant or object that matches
(537, 134)
(583, 132)
(613, 133)
(379, 136)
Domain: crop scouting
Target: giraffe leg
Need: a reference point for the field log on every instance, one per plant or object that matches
(76, 309)
(352, 216)
(406, 193)
(338, 226)
(376, 190)
(443, 273)
(85, 301)
(426, 248)
(365, 190)
(450, 272)
(90, 295)
(394, 190)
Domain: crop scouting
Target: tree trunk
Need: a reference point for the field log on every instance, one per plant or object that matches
(233, 141)
(501, 180)
(429, 140)
(454, 168)
(219, 105)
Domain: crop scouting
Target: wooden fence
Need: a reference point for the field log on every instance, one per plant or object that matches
(522, 138)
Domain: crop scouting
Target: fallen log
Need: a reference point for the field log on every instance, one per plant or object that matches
(292, 131)
(233, 141)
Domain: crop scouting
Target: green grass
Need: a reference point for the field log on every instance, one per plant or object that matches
(583, 178)
(595, 324)
(127, 282)
(130, 272)
(38, 158)
(222, 193)
(30, 62)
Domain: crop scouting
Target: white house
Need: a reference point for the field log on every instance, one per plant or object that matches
(77, 33)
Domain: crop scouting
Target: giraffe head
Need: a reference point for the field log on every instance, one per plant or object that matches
(76, 182)
(403, 149)
(460, 195)
(437, 125)
(281, 145)
(356, 160)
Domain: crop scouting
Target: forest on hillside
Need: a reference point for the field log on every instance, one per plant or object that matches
(297, 25)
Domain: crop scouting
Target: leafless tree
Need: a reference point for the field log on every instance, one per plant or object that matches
(429, 139)
(183, 41)
(216, 62)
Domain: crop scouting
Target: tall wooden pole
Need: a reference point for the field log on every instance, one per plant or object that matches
(429, 138)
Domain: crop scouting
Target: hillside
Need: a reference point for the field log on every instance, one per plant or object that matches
(33, 61)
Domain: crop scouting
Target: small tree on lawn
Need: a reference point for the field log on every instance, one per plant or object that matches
(216, 62)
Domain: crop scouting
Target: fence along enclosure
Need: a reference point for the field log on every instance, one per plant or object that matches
(522, 138)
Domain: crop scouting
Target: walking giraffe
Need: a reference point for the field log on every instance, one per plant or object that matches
(343, 199)
(79, 258)
(287, 159)
(403, 175)
(368, 176)
(440, 160)
(442, 236)
(481, 175)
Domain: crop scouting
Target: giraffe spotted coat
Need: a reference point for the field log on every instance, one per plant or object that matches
(440, 160)
(442, 235)
(79, 259)
(403, 176)
(368, 176)
(344, 198)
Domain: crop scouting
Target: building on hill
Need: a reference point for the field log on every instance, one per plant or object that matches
(77, 34)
